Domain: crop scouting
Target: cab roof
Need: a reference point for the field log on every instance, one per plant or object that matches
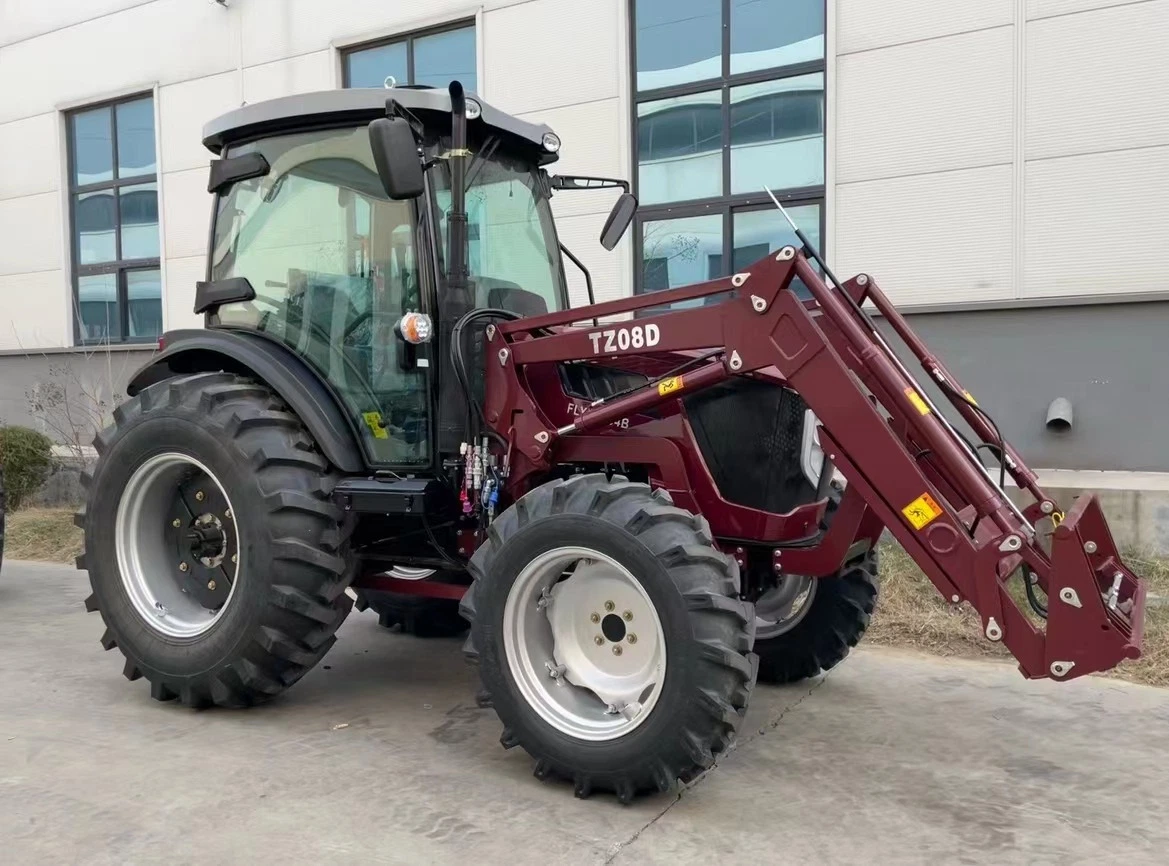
(355, 106)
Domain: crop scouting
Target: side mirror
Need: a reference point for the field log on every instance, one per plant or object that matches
(619, 219)
(396, 155)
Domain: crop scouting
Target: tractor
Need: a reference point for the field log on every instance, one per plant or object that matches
(636, 509)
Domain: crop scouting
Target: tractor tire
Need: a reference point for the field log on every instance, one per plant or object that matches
(218, 562)
(588, 697)
(414, 614)
(818, 636)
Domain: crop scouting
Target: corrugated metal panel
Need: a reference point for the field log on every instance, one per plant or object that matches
(609, 269)
(1098, 80)
(186, 212)
(593, 143)
(302, 74)
(930, 106)
(865, 24)
(32, 233)
(931, 238)
(178, 295)
(1095, 224)
(40, 300)
(1047, 8)
(276, 29)
(106, 55)
(552, 53)
(181, 112)
(31, 145)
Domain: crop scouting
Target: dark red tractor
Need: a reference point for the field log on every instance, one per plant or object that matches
(639, 506)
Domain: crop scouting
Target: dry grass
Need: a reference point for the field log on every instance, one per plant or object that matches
(912, 614)
(42, 534)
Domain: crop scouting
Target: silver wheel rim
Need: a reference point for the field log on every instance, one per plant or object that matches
(784, 606)
(406, 572)
(584, 643)
(147, 562)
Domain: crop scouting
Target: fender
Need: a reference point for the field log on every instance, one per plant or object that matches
(249, 354)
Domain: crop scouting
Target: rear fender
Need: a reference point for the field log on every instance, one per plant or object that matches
(248, 354)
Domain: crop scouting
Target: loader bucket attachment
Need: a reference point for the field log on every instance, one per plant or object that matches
(1090, 589)
(907, 466)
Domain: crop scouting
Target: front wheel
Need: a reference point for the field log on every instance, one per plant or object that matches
(610, 636)
(217, 561)
(808, 625)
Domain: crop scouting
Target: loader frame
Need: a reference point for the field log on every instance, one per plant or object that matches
(907, 467)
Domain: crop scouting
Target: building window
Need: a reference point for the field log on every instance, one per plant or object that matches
(432, 58)
(113, 195)
(728, 99)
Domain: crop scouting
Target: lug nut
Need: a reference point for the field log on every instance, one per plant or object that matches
(198, 495)
(631, 637)
(235, 557)
(609, 605)
(628, 615)
(183, 566)
(227, 514)
(211, 585)
(616, 649)
(176, 523)
(598, 640)
(596, 617)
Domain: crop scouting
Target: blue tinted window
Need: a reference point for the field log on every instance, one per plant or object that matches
(770, 33)
(93, 147)
(678, 41)
(135, 122)
(370, 67)
(442, 58)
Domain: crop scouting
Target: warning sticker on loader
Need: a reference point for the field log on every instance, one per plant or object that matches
(917, 402)
(669, 386)
(922, 511)
(373, 420)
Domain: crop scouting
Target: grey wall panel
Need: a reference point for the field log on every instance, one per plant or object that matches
(1111, 361)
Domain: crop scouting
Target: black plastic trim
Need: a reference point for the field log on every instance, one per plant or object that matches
(297, 384)
(212, 294)
(224, 172)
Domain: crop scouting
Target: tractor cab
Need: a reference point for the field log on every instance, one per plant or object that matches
(345, 220)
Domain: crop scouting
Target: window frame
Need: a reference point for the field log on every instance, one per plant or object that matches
(408, 37)
(118, 266)
(728, 203)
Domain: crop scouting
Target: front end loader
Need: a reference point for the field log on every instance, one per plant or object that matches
(635, 510)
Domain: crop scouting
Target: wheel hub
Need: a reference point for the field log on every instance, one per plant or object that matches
(584, 643)
(176, 545)
(781, 607)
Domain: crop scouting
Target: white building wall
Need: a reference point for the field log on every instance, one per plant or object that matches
(201, 59)
(986, 152)
(980, 152)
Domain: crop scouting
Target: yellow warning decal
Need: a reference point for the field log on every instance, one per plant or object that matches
(922, 511)
(970, 398)
(917, 402)
(373, 420)
(669, 386)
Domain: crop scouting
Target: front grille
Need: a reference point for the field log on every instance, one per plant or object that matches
(750, 434)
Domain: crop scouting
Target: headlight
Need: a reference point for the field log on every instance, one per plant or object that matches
(474, 109)
(551, 142)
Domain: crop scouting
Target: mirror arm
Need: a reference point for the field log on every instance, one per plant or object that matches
(588, 277)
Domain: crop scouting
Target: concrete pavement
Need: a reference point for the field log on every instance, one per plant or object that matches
(381, 756)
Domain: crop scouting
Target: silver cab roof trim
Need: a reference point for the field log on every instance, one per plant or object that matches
(361, 103)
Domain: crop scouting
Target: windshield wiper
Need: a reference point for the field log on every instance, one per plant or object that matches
(482, 156)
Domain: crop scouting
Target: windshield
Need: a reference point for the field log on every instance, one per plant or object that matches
(512, 246)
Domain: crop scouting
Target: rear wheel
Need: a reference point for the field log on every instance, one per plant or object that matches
(217, 560)
(414, 614)
(610, 636)
(808, 625)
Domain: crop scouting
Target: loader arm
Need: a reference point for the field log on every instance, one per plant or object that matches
(905, 463)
